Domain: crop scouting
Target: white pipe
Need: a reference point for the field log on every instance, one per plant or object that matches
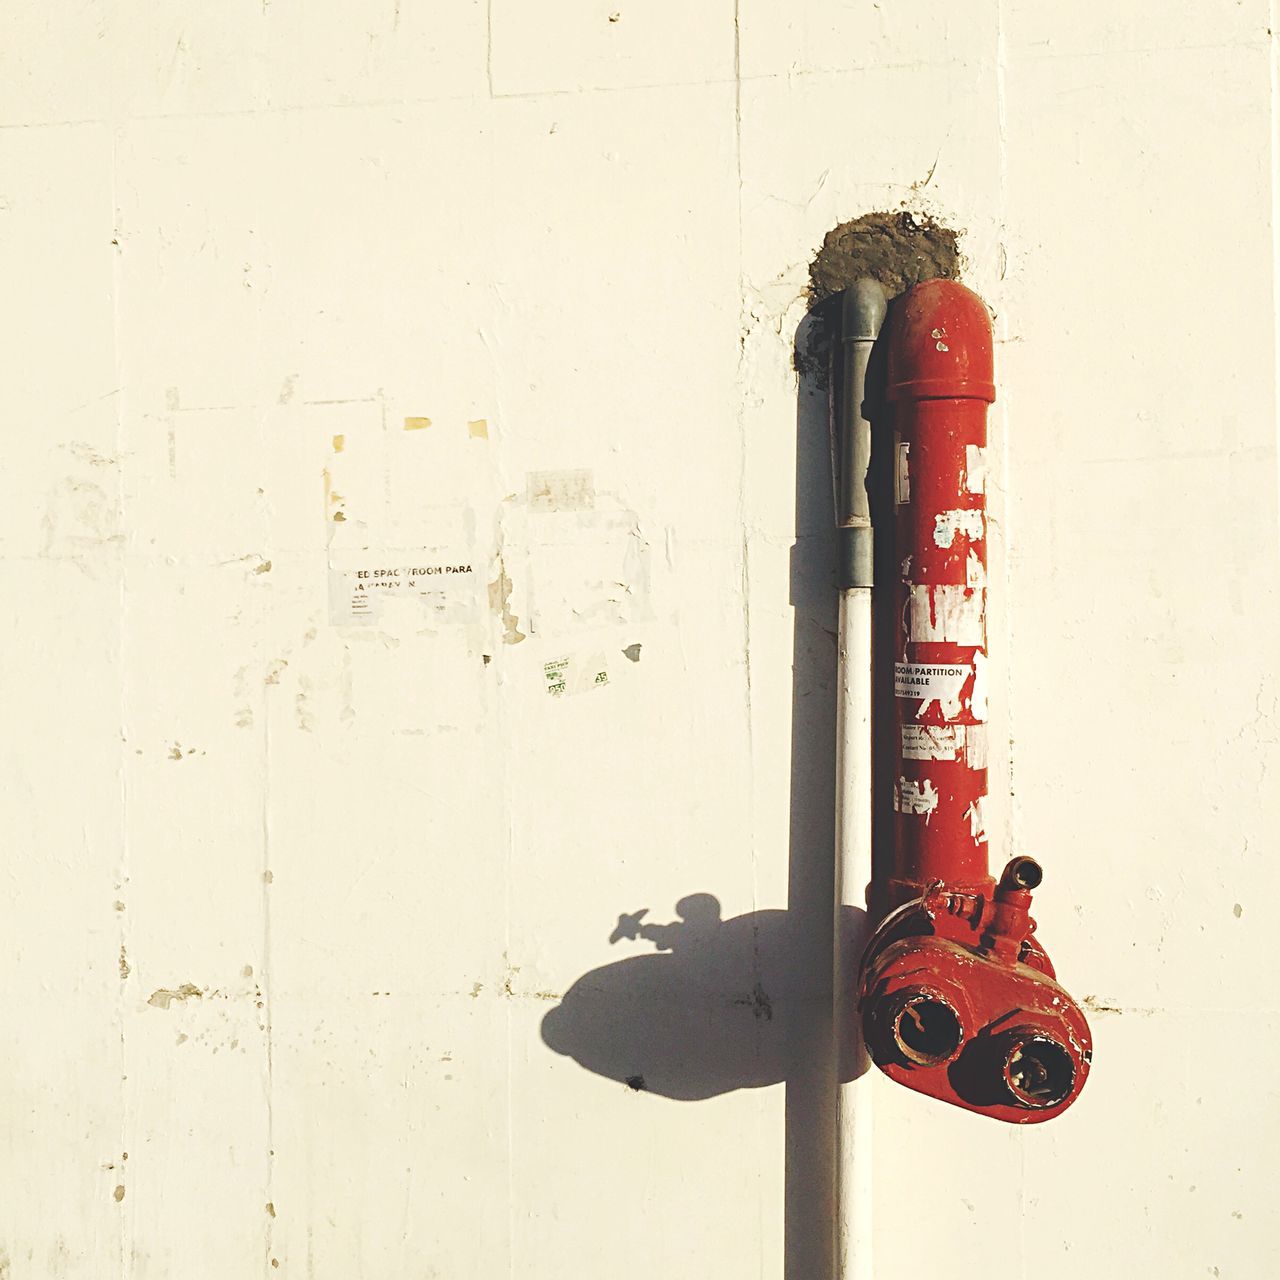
(853, 874)
(862, 314)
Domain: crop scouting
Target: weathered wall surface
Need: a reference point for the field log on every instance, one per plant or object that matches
(503, 298)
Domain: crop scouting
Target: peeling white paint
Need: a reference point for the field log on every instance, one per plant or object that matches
(978, 700)
(975, 746)
(977, 821)
(946, 613)
(975, 468)
(964, 521)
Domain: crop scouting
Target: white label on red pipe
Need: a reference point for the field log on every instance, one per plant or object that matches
(911, 796)
(932, 741)
(930, 681)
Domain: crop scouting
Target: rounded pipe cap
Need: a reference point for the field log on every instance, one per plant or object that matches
(940, 345)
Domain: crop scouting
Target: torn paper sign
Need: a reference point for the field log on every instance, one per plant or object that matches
(439, 586)
(561, 491)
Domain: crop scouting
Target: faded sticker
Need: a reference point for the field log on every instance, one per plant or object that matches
(946, 613)
(965, 521)
(561, 491)
(362, 587)
(575, 674)
(910, 796)
(967, 742)
(932, 741)
(932, 681)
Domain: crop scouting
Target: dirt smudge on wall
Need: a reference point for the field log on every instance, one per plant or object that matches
(163, 998)
(898, 249)
(499, 602)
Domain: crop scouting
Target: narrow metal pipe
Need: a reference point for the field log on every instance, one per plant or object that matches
(862, 313)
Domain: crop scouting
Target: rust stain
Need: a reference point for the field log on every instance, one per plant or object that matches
(165, 996)
(118, 1193)
(499, 602)
(125, 970)
(332, 498)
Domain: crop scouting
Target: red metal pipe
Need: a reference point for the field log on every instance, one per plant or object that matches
(958, 1000)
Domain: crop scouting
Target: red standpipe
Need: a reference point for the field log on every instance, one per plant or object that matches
(958, 998)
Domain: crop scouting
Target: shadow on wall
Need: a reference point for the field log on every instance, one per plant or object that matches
(747, 1002)
(723, 1005)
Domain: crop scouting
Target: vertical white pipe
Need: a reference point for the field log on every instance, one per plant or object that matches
(862, 313)
(854, 1116)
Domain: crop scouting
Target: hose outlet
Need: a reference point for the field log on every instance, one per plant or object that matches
(1038, 1071)
(948, 1014)
(927, 1030)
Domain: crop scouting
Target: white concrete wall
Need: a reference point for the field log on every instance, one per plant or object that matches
(286, 895)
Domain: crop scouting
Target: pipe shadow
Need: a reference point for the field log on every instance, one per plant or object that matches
(747, 1002)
